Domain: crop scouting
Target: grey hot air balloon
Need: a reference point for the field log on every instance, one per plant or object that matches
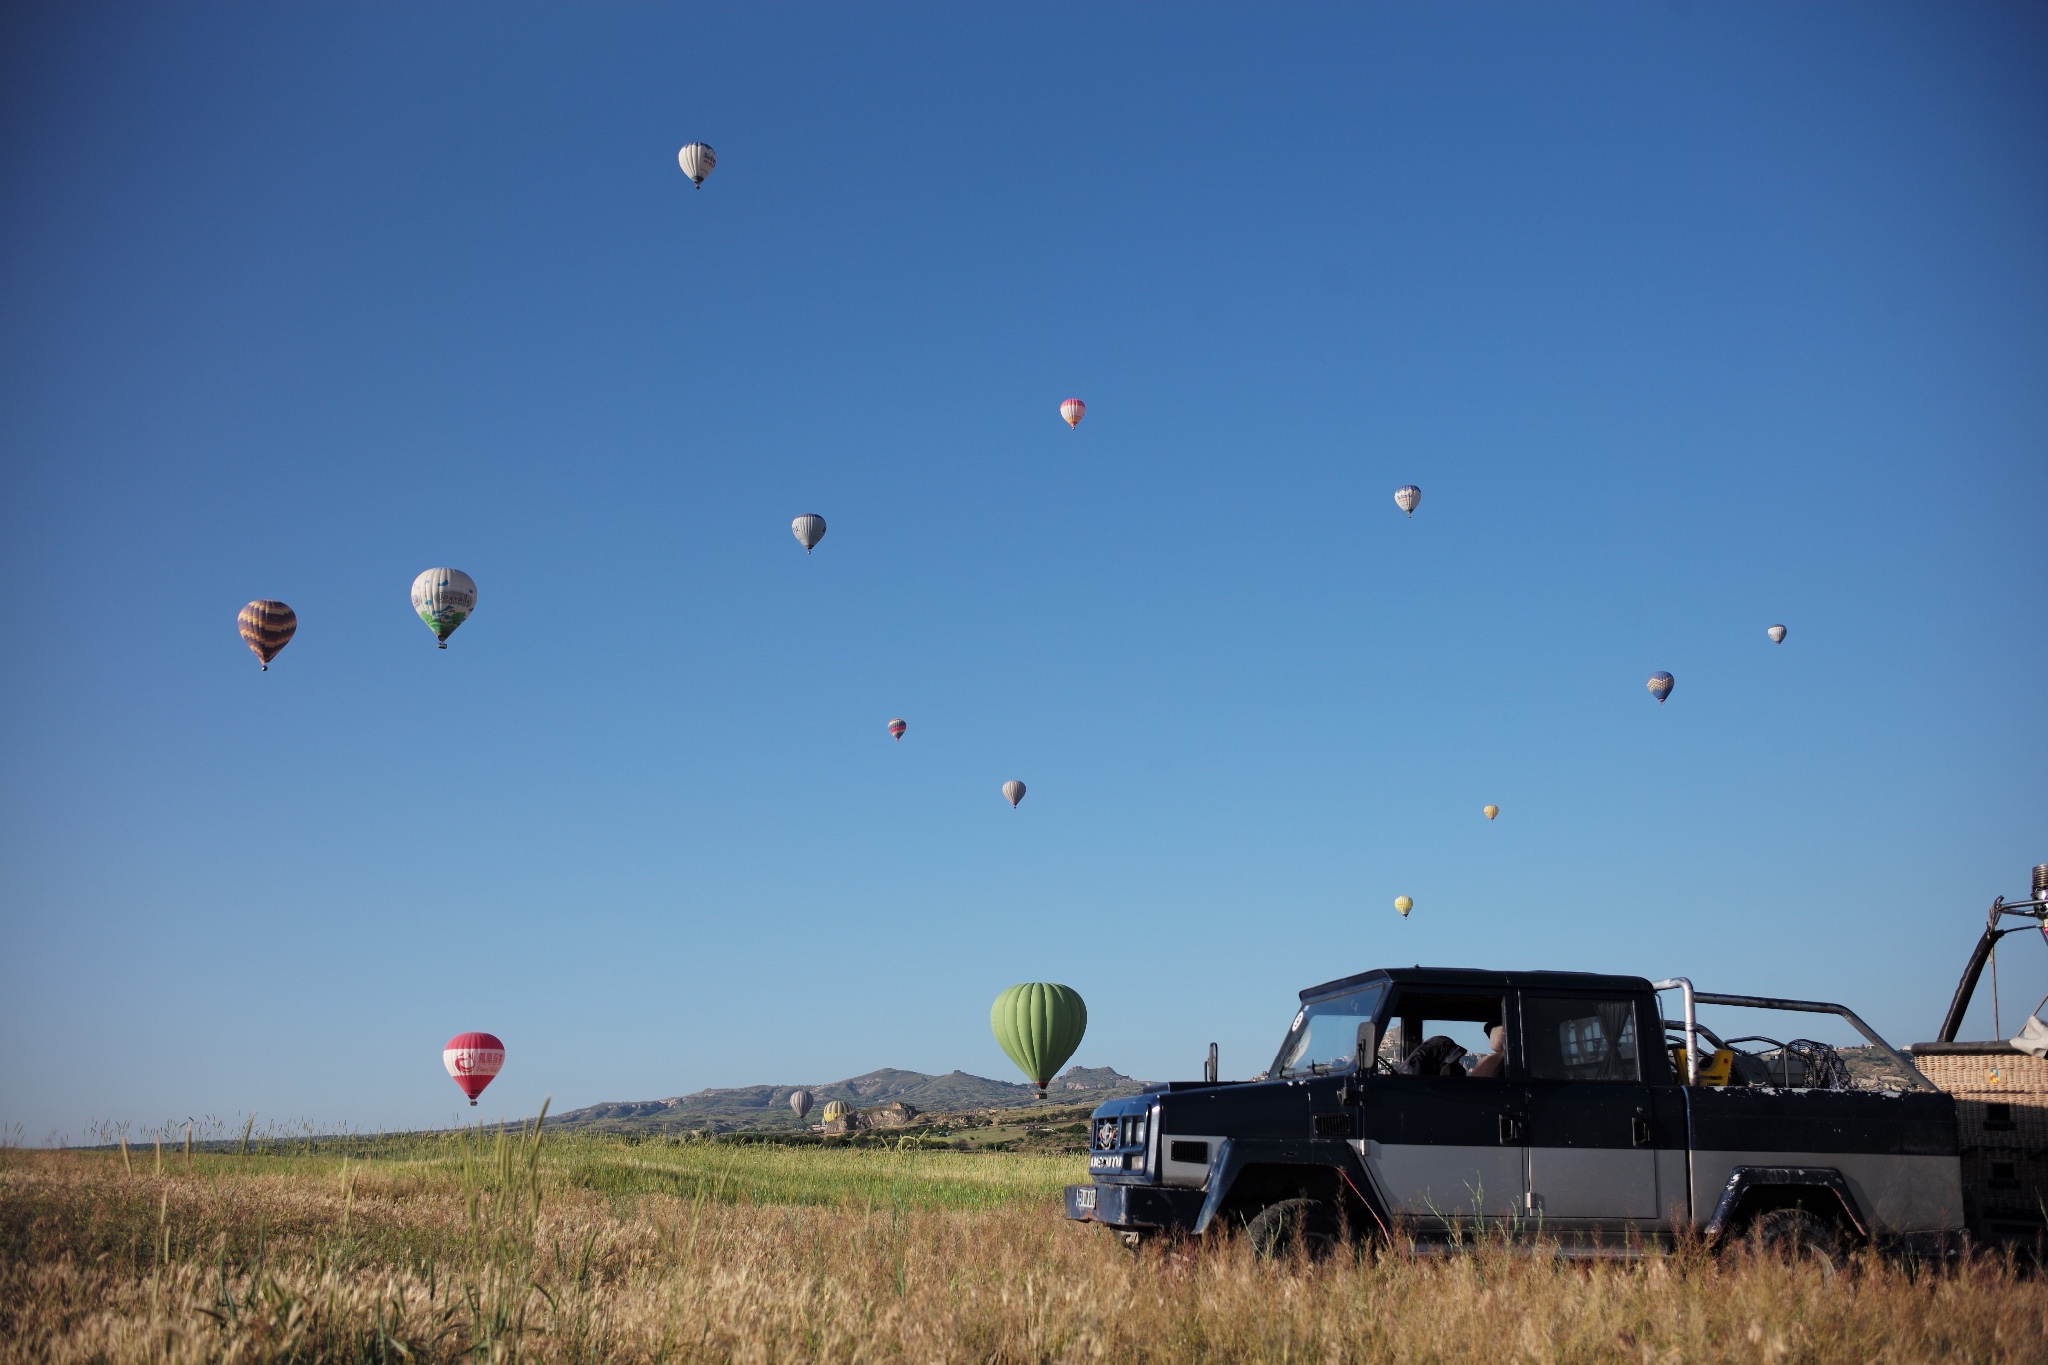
(444, 598)
(808, 529)
(1777, 634)
(697, 159)
(1408, 497)
(800, 1100)
(1013, 792)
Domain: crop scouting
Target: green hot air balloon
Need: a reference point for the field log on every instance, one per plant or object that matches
(1039, 1025)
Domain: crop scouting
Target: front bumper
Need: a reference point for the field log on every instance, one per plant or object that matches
(1134, 1206)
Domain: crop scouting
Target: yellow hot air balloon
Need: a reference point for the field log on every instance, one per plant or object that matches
(837, 1109)
(1490, 811)
(1404, 905)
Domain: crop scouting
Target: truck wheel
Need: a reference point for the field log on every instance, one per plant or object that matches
(1308, 1223)
(1796, 1234)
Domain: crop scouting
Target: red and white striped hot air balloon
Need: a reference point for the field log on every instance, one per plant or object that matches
(1073, 410)
(472, 1059)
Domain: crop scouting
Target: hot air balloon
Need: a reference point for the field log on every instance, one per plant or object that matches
(1013, 792)
(1660, 686)
(1039, 1025)
(1404, 905)
(896, 729)
(1777, 634)
(1490, 811)
(267, 628)
(444, 598)
(472, 1059)
(697, 159)
(800, 1101)
(808, 529)
(838, 1109)
(1408, 497)
(1073, 410)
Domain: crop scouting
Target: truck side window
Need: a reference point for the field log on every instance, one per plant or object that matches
(1580, 1040)
(1432, 1034)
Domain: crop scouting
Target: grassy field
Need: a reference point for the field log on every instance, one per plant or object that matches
(497, 1248)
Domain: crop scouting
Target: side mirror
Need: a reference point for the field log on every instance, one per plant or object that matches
(1366, 1059)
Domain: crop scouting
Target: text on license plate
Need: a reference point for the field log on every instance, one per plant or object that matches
(1084, 1198)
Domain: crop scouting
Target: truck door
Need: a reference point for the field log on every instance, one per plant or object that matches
(1592, 1166)
(1445, 1148)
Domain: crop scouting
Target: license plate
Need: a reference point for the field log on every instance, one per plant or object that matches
(1084, 1198)
(1105, 1163)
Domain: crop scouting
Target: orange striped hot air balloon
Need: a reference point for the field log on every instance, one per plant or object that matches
(267, 628)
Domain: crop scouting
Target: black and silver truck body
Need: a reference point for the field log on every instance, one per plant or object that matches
(1579, 1125)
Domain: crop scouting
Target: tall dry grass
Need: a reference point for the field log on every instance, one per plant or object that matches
(503, 1251)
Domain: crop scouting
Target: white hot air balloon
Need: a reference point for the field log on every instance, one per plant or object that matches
(697, 159)
(800, 1101)
(1777, 634)
(808, 529)
(1408, 497)
(1013, 792)
(444, 598)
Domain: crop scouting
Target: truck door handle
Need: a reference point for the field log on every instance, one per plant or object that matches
(1639, 1129)
(1510, 1129)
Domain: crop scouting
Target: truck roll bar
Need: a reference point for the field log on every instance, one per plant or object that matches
(1693, 999)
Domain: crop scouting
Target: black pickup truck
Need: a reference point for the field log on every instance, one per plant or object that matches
(1422, 1106)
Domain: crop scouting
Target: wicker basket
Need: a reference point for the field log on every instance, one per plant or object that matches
(2002, 1121)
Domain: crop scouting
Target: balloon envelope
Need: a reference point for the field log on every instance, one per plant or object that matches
(837, 1109)
(1660, 686)
(1039, 1024)
(1408, 497)
(1073, 410)
(1404, 905)
(444, 598)
(473, 1059)
(808, 529)
(800, 1101)
(267, 627)
(1490, 811)
(1013, 792)
(896, 729)
(1777, 634)
(697, 159)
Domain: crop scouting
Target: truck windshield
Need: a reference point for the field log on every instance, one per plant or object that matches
(1324, 1035)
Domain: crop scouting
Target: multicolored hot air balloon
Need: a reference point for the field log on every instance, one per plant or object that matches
(800, 1101)
(896, 729)
(1039, 1025)
(1073, 410)
(472, 1059)
(1408, 497)
(444, 598)
(1013, 792)
(808, 529)
(1777, 634)
(1404, 905)
(697, 159)
(1660, 686)
(267, 627)
(1489, 811)
(838, 1109)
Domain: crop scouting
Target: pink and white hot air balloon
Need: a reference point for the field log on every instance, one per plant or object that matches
(473, 1059)
(1073, 410)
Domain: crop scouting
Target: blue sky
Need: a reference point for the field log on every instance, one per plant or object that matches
(1687, 319)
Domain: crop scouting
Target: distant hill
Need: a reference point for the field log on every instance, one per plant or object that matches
(767, 1106)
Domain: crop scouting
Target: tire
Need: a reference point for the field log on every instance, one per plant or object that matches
(1309, 1224)
(1796, 1234)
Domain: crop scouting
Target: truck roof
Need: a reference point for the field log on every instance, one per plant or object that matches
(1467, 978)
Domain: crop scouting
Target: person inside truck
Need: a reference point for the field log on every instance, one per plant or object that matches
(1491, 1064)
